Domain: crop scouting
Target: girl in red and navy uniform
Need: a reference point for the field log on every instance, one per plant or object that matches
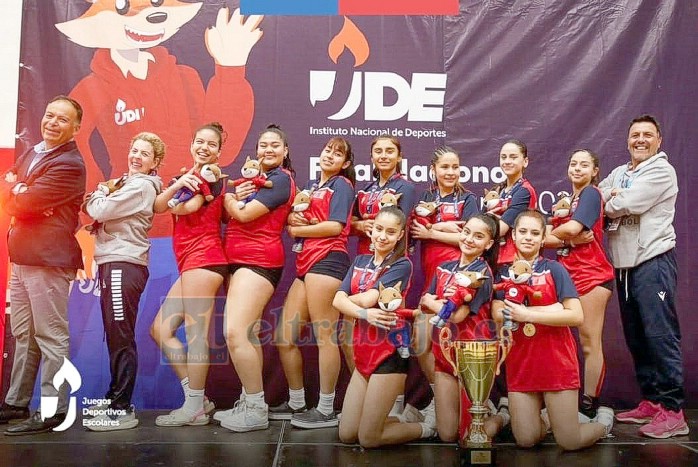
(321, 265)
(590, 269)
(439, 244)
(380, 373)
(542, 366)
(386, 156)
(516, 195)
(471, 320)
(256, 256)
(455, 205)
(202, 264)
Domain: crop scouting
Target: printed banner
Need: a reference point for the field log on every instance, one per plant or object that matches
(556, 75)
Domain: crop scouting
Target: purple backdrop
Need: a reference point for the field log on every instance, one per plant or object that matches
(557, 75)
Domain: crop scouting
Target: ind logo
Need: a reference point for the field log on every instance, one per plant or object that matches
(67, 373)
(419, 97)
(122, 116)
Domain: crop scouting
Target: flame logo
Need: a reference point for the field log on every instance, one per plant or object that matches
(349, 37)
(67, 373)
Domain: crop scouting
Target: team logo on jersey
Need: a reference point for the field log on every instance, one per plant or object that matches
(661, 295)
(122, 116)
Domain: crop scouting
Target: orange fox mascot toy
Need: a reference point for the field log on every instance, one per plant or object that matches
(390, 299)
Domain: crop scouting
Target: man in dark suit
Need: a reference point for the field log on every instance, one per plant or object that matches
(43, 192)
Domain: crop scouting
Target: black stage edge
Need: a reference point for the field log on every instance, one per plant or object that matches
(282, 445)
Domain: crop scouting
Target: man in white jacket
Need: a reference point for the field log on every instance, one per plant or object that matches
(640, 201)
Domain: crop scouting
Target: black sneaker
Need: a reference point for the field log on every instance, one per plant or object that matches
(284, 411)
(12, 413)
(313, 418)
(35, 425)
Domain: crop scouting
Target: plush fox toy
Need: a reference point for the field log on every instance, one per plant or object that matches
(493, 203)
(516, 288)
(390, 299)
(425, 212)
(108, 187)
(387, 199)
(301, 203)
(467, 283)
(251, 172)
(208, 174)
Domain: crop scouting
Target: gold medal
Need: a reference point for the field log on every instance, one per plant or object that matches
(529, 329)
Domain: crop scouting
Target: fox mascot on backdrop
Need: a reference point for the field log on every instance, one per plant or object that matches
(136, 84)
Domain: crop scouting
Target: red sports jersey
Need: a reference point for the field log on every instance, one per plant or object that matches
(546, 361)
(331, 202)
(453, 207)
(587, 264)
(372, 345)
(476, 325)
(196, 237)
(521, 197)
(259, 242)
(367, 200)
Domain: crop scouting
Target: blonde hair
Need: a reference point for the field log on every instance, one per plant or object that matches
(155, 141)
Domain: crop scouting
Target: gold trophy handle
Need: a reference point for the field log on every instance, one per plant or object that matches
(505, 341)
(446, 345)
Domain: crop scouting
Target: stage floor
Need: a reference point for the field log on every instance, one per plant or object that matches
(283, 445)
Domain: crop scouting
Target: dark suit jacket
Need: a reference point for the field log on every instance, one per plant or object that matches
(57, 183)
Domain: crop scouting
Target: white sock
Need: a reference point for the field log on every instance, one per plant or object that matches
(427, 431)
(255, 400)
(432, 386)
(398, 406)
(296, 398)
(326, 404)
(194, 400)
(185, 384)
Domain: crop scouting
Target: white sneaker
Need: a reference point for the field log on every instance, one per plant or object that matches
(503, 411)
(546, 419)
(429, 413)
(180, 417)
(604, 416)
(411, 414)
(246, 417)
(398, 408)
(112, 420)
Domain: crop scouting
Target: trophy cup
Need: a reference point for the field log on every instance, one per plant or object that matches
(476, 364)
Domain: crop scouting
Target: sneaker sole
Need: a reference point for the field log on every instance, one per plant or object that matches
(121, 426)
(280, 416)
(244, 429)
(637, 421)
(681, 432)
(201, 422)
(311, 425)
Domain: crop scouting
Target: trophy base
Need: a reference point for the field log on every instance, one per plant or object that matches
(477, 456)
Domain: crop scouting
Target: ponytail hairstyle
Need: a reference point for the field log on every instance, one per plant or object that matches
(594, 159)
(276, 129)
(441, 151)
(524, 151)
(397, 144)
(217, 128)
(401, 246)
(492, 223)
(342, 145)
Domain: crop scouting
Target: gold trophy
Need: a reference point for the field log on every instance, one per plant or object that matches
(477, 363)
